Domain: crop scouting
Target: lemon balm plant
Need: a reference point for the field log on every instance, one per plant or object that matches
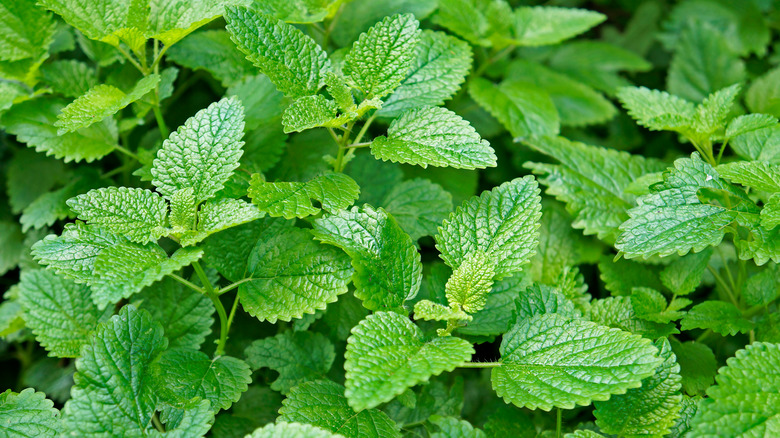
(347, 235)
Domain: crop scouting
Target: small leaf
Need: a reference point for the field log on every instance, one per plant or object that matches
(387, 265)
(430, 311)
(100, 102)
(322, 403)
(541, 299)
(28, 414)
(380, 58)
(454, 427)
(698, 366)
(545, 25)
(684, 275)
(551, 361)
(723, 318)
(470, 283)
(215, 216)
(387, 354)
(650, 305)
(618, 312)
(757, 174)
(434, 136)
(292, 430)
(291, 59)
(749, 123)
(523, 109)
(657, 110)
(510, 212)
(419, 206)
(309, 112)
(203, 153)
(334, 191)
(298, 357)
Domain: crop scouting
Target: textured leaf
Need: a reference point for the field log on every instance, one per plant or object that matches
(379, 60)
(698, 366)
(26, 30)
(470, 283)
(721, 317)
(419, 206)
(202, 153)
(292, 60)
(440, 67)
(762, 288)
(292, 430)
(292, 275)
(592, 181)
(684, 275)
(59, 312)
(11, 242)
(185, 315)
(618, 312)
(114, 267)
(650, 305)
(136, 213)
(387, 354)
(172, 20)
(334, 191)
(650, 410)
(482, 22)
(212, 50)
(298, 357)
(763, 94)
(551, 361)
(215, 216)
(28, 414)
(672, 218)
(502, 223)
(309, 112)
(110, 22)
(99, 102)
(749, 123)
(52, 206)
(757, 174)
(113, 394)
(597, 63)
(33, 123)
(544, 25)
(542, 299)
(300, 11)
(522, 108)
(744, 401)
(69, 77)
(430, 311)
(453, 427)
(711, 114)
(657, 110)
(761, 245)
(184, 374)
(387, 265)
(322, 403)
(434, 136)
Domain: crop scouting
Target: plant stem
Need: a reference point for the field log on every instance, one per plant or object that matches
(723, 285)
(558, 422)
(132, 61)
(164, 132)
(157, 424)
(358, 145)
(233, 312)
(187, 283)
(722, 148)
(493, 58)
(230, 287)
(479, 365)
(126, 151)
(343, 142)
(364, 128)
(223, 318)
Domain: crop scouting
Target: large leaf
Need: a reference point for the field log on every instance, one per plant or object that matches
(502, 223)
(28, 414)
(387, 353)
(522, 108)
(26, 30)
(551, 361)
(434, 136)
(202, 153)
(291, 59)
(387, 265)
(290, 275)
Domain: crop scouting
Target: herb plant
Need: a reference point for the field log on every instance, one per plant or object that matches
(389, 218)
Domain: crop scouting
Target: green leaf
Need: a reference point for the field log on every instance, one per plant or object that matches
(115, 267)
(101, 403)
(762, 288)
(577, 103)
(185, 315)
(763, 96)
(387, 265)
(183, 374)
(440, 67)
(203, 153)
(650, 410)
(749, 123)
(309, 112)
(379, 60)
(545, 25)
(419, 206)
(684, 275)
(540, 299)
(650, 305)
(172, 20)
(759, 175)
(454, 427)
(672, 218)
(434, 136)
(33, 123)
(292, 430)
(26, 30)
(761, 144)
(11, 242)
(551, 361)
(430, 311)
(29, 413)
(334, 191)
(300, 11)
(298, 357)
(387, 353)
(291, 59)
(687, 411)
(481, 22)
(510, 214)
(743, 403)
(291, 275)
(52, 206)
(591, 180)
(322, 403)
(136, 213)
(712, 113)
(761, 245)
(703, 62)
(99, 102)
(723, 318)
(69, 77)
(559, 245)
(107, 21)
(657, 110)
(215, 216)
(618, 312)
(212, 50)
(697, 366)
(470, 283)
(59, 312)
(770, 214)
(523, 109)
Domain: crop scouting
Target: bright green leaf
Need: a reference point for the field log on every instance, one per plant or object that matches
(522, 108)
(545, 25)
(723, 318)
(334, 191)
(28, 414)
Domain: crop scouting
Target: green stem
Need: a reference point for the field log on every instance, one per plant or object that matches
(126, 151)
(212, 294)
(704, 335)
(132, 61)
(722, 148)
(164, 132)
(230, 287)
(723, 285)
(364, 129)
(343, 142)
(187, 283)
(157, 424)
(232, 312)
(493, 58)
(479, 365)
(358, 145)
(558, 423)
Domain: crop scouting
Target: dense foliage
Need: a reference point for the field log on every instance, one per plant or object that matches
(386, 218)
